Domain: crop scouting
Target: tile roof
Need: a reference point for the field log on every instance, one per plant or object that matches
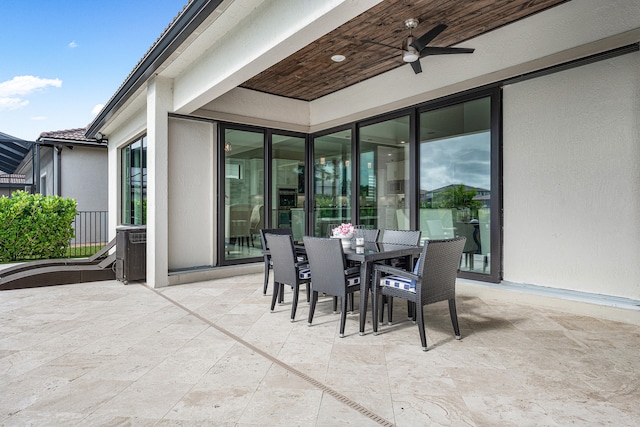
(67, 134)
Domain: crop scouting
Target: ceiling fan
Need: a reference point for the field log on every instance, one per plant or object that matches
(413, 49)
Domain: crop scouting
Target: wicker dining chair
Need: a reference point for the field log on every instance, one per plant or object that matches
(432, 280)
(287, 270)
(368, 234)
(330, 274)
(268, 265)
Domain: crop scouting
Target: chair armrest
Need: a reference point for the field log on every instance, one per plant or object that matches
(383, 268)
(352, 271)
(302, 264)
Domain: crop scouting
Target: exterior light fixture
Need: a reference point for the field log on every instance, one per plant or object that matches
(409, 53)
(347, 163)
(338, 58)
(227, 147)
(322, 160)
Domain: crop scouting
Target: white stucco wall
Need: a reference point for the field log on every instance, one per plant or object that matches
(46, 169)
(572, 179)
(192, 194)
(84, 177)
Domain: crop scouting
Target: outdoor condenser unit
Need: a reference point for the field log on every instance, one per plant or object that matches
(131, 253)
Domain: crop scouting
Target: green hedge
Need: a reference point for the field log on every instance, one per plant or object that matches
(35, 226)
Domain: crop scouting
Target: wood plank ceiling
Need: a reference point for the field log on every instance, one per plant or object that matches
(310, 73)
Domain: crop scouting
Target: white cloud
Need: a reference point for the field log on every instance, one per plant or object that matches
(24, 85)
(7, 103)
(73, 44)
(12, 91)
(39, 118)
(97, 109)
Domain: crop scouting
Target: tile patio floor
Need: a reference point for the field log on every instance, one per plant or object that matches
(211, 354)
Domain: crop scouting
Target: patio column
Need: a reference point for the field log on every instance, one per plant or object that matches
(159, 101)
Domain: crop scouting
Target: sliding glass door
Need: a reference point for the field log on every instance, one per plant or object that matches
(243, 153)
(384, 174)
(455, 178)
(288, 185)
(331, 181)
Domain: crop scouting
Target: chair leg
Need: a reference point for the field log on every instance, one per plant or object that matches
(335, 304)
(308, 292)
(454, 317)
(294, 303)
(420, 320)
(383, 300)
(350, 296)
(281, 298)
(343, 316)
(389, 310)
(312, 309)
(266, 278)
(274, 298)
(375, 301)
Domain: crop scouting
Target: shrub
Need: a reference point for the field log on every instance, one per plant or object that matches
(35, 226)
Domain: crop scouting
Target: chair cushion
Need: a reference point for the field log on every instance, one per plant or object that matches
(304, 273)
(399, 282)
(353, 280)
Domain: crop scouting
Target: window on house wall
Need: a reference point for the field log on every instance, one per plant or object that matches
(134, 182)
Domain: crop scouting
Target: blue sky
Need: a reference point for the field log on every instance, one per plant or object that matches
(60, 59)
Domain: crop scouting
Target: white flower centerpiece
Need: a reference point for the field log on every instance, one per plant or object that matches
(344, 232)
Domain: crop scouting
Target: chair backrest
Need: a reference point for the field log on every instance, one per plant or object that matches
(401, 237)
(283, 258)
(369, 234)
(438, 268)
(326, 260)
(278, 231)
(466, 229)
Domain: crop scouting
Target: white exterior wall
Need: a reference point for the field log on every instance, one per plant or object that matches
(122, 135)
(46, 169)
(572, 179)
(84, 177)
(192, 194)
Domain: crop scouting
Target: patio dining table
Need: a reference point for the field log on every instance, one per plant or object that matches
(366, 255)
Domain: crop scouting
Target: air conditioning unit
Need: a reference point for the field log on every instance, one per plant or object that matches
(131, 253)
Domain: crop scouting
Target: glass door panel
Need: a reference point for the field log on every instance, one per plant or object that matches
(288, 184)
(384, 174)
(244, 193)
(331, 181)
(455, 178)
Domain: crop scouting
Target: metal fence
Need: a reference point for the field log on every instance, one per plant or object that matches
(91, 231)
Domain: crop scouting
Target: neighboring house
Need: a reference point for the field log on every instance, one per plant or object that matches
(65, 163)
(239, 101)
(12, 152)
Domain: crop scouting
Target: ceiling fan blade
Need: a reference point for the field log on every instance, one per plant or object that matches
(381, 44)
(444, 51)
(417, 68)
(426, 38)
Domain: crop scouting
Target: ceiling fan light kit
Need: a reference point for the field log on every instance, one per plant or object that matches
(413, 49)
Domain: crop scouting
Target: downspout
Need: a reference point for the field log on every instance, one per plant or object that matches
(58, 173)
(36, 169)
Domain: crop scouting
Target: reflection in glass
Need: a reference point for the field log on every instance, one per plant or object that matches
(331, 181)
(455, 178)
